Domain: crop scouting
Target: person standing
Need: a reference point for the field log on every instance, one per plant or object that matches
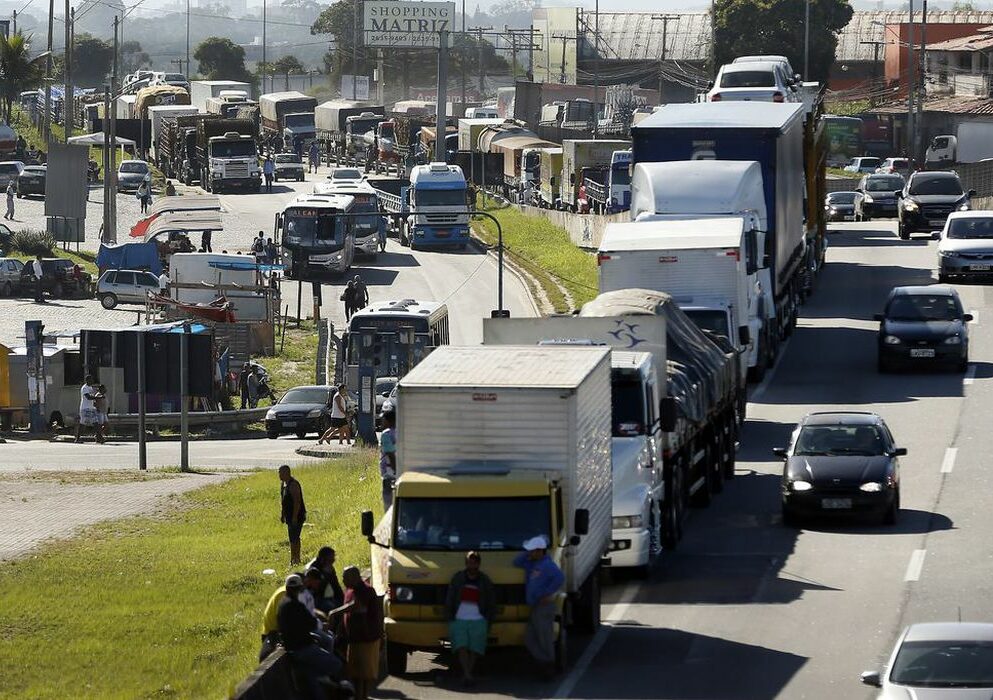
(293, 510)
(270, 252)
(11, 191)
(246, 369)
(470, 606)
(361, 299)
(297, 628)
(163, 282)
(339, 418)
(348, 297)
(258, 247)
(205, 241)
(364, 631)
(313, 158)
(268, 170)
(88, 409)
(388, 458)
(144, 195)
(39, 273)
(253, 384)
(542, 580)
(102, 407)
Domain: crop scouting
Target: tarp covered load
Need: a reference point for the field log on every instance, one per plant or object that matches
(129, 256)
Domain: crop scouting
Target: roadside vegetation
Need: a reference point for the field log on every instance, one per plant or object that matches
(544, 251)
(294, 365)
(169, 605)
(28, 243)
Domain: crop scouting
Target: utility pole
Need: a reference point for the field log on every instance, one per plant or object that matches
(355, 48)
(665, 19)
(67, 99)
(482, 69)
(380, 66)
(188, 38)
(565, 42)
(806, 40)
(110, 175)
(875, 60)
(922, 87)
(47, 130)
(442, 99)
(910, 82)
(596, 68)
(106, 237)
(462, 56)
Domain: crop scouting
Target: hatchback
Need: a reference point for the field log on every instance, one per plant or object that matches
(131, 174)
(840, 206)
(32, 180)
(878, 195)
(923, 325)
(126, 287)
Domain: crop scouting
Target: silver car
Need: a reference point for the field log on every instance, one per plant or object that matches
(938, 661)
(125, 287)
(10, 170)
(131, 174)
(965, 247)
(10, 275)
(288, 167)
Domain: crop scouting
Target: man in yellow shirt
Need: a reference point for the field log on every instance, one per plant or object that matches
(270, 626)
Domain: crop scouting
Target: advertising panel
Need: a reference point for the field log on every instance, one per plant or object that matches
(418, 25)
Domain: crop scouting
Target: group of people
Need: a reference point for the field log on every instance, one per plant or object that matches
(355, 296)
(253, 384)
(264, 250)
(92, 409)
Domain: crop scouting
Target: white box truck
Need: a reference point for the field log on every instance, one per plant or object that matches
(506, 443)
(203, 90)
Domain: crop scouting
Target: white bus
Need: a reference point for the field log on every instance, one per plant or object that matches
(313, 238)
(367, 229)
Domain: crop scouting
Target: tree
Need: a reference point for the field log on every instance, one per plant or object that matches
(222, 59)
(133, 58)
(960, 6)
(18, 71)
(287, 65)
(749, 27)
(91, 60)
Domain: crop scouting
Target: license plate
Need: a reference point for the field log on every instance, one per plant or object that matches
(289, 424)
(836, 503)
(442, 233)
(979, 268)
(849, 217)
(922, 352)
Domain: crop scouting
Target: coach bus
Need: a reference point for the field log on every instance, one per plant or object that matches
(315, 240)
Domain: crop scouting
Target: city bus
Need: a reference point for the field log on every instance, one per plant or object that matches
(367, 229)
(844, 135)
(406, 331)
(314, 239)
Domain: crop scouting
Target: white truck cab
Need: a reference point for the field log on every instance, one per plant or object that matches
(438, 204)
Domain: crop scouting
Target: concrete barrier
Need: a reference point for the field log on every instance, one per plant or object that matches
(272, 680)
(585, 230)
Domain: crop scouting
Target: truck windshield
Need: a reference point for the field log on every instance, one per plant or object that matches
(439, 198)
(470, 523)
(312, 231)
(360, 126)
(233, 149)
(627, 404)
(715, 321)
(299, 120)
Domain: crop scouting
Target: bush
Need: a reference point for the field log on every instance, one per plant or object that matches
(31, 242)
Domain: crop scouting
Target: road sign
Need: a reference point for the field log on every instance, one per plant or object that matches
(393, 24)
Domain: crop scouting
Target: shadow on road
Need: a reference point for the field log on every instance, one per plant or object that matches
(872, 238)
(392, 259)
(910, 522)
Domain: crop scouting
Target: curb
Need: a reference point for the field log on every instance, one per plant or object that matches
(322, 452)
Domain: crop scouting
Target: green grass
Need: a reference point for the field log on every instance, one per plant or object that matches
(543, 250)
(84, 258)
(170, 605)
(295, 365)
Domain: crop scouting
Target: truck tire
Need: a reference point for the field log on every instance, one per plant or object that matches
(728, 462)
(717, 464)
(586, 610)
(396, 659)
(673, 507)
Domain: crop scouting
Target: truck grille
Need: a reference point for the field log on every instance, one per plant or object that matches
(434, 593)
(442, 219)
(234, 170)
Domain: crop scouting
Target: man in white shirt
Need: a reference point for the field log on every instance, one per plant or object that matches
(88, 415)
(39, 294)
(163, 282)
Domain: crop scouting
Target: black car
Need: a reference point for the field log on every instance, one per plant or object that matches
(877, 196)
(923, 326)
(301, 410)
(841, 463)
(928, 198)
(840, 206)
(60, 277)
(32, 180)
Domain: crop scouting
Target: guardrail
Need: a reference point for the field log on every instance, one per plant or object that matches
(237, 418)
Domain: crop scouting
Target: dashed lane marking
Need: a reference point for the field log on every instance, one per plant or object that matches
(915, 566)
(948, 463)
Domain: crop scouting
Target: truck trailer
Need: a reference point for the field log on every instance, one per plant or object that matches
(578, 154)
(203, 90)
(289, 118)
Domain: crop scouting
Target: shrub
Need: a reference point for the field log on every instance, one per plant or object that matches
(31, 242)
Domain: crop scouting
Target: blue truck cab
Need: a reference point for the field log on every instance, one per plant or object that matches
(439, 208)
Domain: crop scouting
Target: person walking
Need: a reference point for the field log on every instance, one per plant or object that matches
(39, 273)
(11, 191)
(361, 299)
(388, 458)
(542, 580)
(339, 418)
(470, 606)
(364, 631)
(144, 195)
(205, 241)
(293, 510)
(297, 629)
(268, 171)
(88, 416)
(313, 158)
(348, 297)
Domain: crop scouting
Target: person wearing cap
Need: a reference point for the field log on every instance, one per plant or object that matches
(542, 580)
(293, 510)
(470, 606)
(297, 628)
(364, 630)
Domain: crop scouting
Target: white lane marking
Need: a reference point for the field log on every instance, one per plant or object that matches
(915, 565)
(970, 375)
(616, 613)
(948, 463)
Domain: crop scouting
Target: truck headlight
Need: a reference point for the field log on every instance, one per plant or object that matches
(402, 594)
(892, 340)
(622, 522)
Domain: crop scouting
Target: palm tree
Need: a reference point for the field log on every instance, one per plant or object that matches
(18, 71)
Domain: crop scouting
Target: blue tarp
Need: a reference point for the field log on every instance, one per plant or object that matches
(130, 256)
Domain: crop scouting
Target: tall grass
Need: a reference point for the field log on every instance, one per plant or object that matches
(170, 605)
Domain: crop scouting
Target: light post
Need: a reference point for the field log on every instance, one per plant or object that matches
(806, 40)
(500, 312)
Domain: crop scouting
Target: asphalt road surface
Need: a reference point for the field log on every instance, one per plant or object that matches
(747, 608)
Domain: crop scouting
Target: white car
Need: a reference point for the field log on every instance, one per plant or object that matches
(938, 661)
(126, 287)
(342, 175)
(175, 79)
(752, 81)
(862, 164)
(10, 170)
(288, 166)
(965, 245)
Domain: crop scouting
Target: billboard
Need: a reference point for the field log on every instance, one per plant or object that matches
(65, 185)
(417, 25)
(355, 87)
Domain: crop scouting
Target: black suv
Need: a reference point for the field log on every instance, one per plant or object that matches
(61, 278)
(877, 196)
(927, 200)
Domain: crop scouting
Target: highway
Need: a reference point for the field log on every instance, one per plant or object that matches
(747, 608)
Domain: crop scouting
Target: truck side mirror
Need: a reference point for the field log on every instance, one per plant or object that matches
(667, 414)
(368, 524)
(744, 335)
(582, 523)
(552, 181)
(972, 193)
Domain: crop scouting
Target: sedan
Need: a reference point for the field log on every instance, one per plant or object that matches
(32, 180)
(131, 174)
(841, 463)
(840, 206)
(301, 410)
(923, 326)
(759, 81)
(938, 661)
(878, 196)
(965, 247)
(346, 175)
(10, 170)
(288, 167)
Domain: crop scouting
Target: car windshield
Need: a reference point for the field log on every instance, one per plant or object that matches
(898, 163)
(839, 440)
(748, 79)
(318, 396)
(936, 185)
(841, 198)
(627, 404)
(439, 198)
(34, 171)
(233, 149)
(944, 664)
(178, 77)
(287, 158)
(883, 184)
(923, 307)
(346, 174)
(470, 523)
(868, 163)
(971, 228)
(134, 168)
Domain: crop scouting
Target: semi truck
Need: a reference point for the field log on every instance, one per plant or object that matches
(342, 126)
(158, 115)
(203, 90)
(519, 173)
(610, 192)
(731, 194)
(532, 458)
(583, 153)
(430, 209)
(227, 155)
(471, 127)
(175, 149)
(549, 177)
(771, 134)
(637, 380)
(288, 117)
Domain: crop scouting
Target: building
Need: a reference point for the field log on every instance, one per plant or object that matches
(961, 66)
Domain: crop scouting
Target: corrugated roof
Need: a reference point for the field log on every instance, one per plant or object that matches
(950, 105)
(862, 28)
(635, 36)
(975, 42)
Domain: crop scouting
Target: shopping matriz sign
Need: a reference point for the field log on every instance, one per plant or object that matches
(418, 25)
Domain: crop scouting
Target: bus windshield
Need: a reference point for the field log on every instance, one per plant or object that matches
(312, 231)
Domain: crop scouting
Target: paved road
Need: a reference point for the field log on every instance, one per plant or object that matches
(747, 608)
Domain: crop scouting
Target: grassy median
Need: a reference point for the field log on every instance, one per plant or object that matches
(169, 605)
(544, 250)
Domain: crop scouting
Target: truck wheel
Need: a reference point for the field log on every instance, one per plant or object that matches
(396, 659)
(728, 462)
(272, 434)
(654, 542)
(717, 465)
(587, 608)
(672, 508)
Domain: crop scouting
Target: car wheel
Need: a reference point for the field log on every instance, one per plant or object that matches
(942, 277)
(301, 434)
(272, 434)
(7, 290)
(904, 232)
(19, 194)
(108, 301)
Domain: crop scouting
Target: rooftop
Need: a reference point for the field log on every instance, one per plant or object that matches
(961, 104)
(982, 41)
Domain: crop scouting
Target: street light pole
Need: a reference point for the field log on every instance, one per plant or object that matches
(910, 83)
(806, 40)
